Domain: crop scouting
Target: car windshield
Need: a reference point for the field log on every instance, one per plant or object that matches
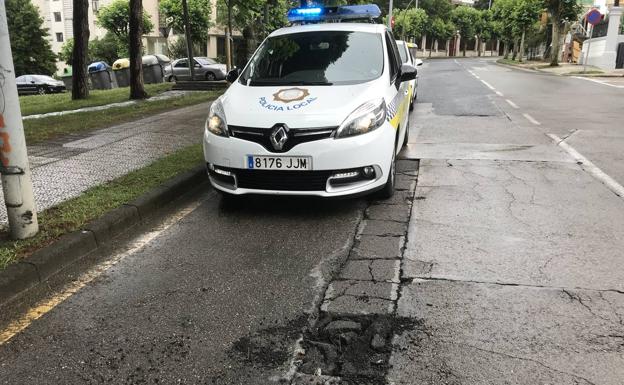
(402, 51)
(316, 58)
(205, 61)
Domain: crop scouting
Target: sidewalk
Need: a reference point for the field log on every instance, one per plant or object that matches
(66, 167)
(566, 69)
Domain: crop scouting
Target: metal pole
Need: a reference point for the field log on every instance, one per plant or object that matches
(16, 181)
(591, 33)
(390, 15)
(490, 5)
(189, 43)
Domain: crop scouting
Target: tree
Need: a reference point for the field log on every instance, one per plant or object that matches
(466, 19)
(31, 50)
(410, 22)
(502, 12)
(199, 17)
(559, 11)
(115, 18)
(135, 29)
(80, 87)
(524, 15)
(440, 29)
(106, 49)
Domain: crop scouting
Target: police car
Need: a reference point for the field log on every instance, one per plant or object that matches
(320, 109)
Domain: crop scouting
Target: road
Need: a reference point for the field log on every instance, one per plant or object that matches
(501, 264)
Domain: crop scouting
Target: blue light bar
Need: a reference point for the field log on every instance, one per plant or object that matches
(346, 12)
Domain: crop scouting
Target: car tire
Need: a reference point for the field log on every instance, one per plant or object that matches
(210, 76)
(388, 189)
(172, 78)
(41, 90)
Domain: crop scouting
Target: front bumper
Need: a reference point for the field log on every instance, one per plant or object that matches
(329, 157)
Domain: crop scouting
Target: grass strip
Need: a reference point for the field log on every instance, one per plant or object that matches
(43, 104)
(38, 130)
(73, 214)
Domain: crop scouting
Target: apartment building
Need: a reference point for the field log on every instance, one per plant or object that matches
(57, 16)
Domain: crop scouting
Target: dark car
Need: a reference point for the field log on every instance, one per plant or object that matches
(38, 84)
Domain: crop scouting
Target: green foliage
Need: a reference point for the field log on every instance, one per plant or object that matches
(115, 18)
(199, 17)
(525, 14)
(440, 29)
(562, 10)
(31, 50)
(107, 49)
(440, 9)
(466, 20)
(410, 22)
(177, 48)
(251, 14)
(483, 4)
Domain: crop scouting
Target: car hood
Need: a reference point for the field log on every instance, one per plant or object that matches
(295, 106)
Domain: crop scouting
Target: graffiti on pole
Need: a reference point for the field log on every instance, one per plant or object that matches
(5, 144)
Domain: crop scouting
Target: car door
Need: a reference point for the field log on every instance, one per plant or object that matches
(26, 85)
(397, 94)
(181, 69)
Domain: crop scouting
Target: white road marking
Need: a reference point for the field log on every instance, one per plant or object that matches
(499, 94)
(488, 85)
(514, 105)
(597, 81)
(48, 304)
(591, 168)
(532, 119)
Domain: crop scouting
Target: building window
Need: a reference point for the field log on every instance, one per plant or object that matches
(59, 37)
(95, 5)
(57, 16)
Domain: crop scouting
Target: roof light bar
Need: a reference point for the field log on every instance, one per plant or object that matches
(346, 12)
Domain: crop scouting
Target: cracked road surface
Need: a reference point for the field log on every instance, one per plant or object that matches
(219, 297)
(513, 265)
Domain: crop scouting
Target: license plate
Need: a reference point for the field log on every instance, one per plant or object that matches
(279, 162)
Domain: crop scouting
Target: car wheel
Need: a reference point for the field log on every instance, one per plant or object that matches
(210, 76)
(388, 189)
(41, 90)
(172, 78)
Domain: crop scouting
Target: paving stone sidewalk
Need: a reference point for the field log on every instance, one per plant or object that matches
(66, 167)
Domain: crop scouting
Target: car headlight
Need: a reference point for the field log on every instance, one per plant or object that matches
(216, 122)
(366, 118)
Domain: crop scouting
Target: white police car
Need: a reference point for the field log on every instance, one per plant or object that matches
(320, 109)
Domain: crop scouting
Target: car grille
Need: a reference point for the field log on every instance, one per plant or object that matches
(295, 136)
(282, 180)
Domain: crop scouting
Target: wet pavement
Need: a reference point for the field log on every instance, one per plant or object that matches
(66, 167)
(498, 261)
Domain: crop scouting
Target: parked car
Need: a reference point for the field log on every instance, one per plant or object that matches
(38, 84)
(407, 58)
(205, 69)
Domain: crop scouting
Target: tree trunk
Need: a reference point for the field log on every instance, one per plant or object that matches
(554, 52)
(228, 36)
(514, 50)
(506, 50)
(464, 50)
(137, 90)
(80, 86)
(521, 46)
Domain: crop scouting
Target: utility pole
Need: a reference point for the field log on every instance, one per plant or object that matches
(16, 180)
(189, 42)
(390, 15)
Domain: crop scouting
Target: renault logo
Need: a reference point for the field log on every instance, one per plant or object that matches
(279, 136)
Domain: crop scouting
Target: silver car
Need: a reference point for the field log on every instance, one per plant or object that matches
(205, 69)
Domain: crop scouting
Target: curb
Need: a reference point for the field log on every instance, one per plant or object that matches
(50, 260)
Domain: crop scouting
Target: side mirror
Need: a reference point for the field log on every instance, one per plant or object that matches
(408, 72)
(418, 62)
(233, 75)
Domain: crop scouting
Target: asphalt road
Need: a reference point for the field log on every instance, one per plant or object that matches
(507, 271)
(217, 297)
(513, 266)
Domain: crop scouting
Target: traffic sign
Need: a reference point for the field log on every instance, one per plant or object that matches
(594, 17)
